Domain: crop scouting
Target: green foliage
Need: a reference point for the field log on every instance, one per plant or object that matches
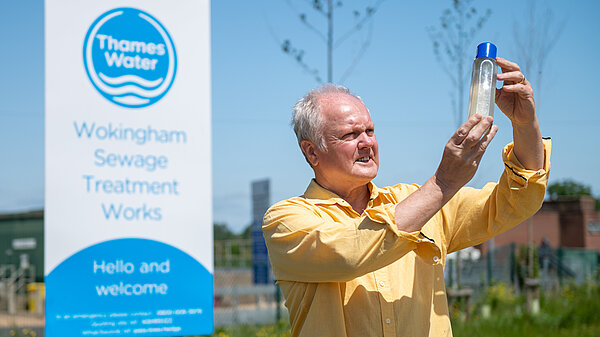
(576, 306)
(572, 312)
(523, 264)
(230, 249)
(568, 187)
(222, 232)
(500, 296)
(281, 329)
(247, 233)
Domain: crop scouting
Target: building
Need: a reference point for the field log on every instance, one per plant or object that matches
(566, 222)
(22, 241)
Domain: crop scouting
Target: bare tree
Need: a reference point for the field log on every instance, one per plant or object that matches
(452, 45)
(323, 15)
(535, 35)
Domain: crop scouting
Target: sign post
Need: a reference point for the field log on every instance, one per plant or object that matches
(128, 207)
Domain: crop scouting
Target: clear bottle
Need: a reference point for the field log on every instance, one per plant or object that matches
(483, 81)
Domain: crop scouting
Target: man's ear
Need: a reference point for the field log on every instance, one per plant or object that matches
(309, 150)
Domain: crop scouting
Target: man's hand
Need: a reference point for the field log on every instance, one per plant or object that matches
(463, 153)
(515, 98)
(459, 163)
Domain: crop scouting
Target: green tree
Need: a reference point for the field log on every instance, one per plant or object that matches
(222, 232)
(246, 233)
(570, 188)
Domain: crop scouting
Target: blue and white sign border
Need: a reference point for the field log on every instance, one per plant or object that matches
(166, 286)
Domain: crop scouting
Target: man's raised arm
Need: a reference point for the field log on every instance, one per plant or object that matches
(459, 163)
(515, 99)
(463, 152)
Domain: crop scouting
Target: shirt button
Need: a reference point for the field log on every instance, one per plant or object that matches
(436, 259)
(388, 321)
(381, 283)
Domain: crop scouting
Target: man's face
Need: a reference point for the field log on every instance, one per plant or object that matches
(351, 158)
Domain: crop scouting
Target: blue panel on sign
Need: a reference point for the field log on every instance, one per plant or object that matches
(129, 287)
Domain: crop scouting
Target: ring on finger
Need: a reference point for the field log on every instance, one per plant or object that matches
(522, 81)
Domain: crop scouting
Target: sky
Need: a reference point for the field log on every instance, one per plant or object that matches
(255, 84)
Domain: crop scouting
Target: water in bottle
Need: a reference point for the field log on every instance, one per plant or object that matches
(483, 81)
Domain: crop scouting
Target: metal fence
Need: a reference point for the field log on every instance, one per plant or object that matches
(233, 253)
(509, 264)
(21, 301)
(239, 301)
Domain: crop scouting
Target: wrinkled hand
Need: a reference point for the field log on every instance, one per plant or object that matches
(463, 152)
(515, 98)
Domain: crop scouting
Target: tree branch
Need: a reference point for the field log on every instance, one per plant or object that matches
(358, 26)
(302, 18)
(366, 43)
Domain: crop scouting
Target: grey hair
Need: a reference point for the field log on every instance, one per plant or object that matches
(306, 115)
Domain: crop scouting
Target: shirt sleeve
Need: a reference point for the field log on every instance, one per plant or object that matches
(306, 247)
(474, 216)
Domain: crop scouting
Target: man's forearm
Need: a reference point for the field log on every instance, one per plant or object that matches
(413, 212)
(528, 147)
(459, 163)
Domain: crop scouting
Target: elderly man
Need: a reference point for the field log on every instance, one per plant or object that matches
(353, 259)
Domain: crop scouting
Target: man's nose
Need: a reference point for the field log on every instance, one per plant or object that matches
(365, 141)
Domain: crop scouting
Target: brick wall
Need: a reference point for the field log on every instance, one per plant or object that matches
(565, 222)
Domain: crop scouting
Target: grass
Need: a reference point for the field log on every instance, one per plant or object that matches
(574, 312)
(281, 329)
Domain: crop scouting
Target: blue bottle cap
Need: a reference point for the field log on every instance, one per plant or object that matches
(486, 49)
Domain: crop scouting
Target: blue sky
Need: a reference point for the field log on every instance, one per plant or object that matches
(255, 85)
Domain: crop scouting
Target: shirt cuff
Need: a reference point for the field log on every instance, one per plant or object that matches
(426, 248)
(519, 176)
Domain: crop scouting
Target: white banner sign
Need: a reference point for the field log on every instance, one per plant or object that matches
(128, 214)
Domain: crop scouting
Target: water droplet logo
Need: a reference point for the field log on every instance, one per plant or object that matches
(129, 57)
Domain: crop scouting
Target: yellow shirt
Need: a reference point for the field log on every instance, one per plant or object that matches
(357, 275)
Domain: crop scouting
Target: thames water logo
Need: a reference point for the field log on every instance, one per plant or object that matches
(129, 57)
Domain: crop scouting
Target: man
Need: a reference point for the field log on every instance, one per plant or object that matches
(353, 259)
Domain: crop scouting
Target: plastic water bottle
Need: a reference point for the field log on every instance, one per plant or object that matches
(483, 81)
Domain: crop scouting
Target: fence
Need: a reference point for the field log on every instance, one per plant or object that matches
(509, 264)
(21, 301)
(233, 253)
(239, 301)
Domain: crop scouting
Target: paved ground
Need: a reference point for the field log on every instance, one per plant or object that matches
(26, 325)
(21, 320)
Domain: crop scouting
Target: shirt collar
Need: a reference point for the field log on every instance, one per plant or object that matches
(320, 195)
